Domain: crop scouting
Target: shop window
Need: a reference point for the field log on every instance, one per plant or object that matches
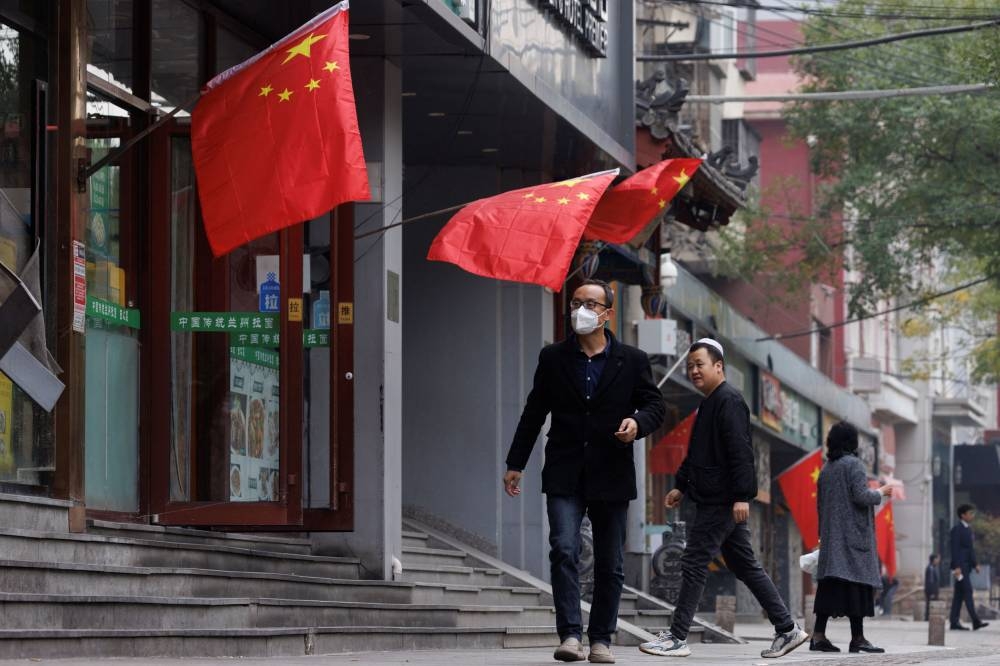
(175, 71)
(109, 27)
(26, 431)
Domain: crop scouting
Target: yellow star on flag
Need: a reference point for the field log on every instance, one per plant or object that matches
(582, 196)
(540, 200)
(265, 91)
(302, 48)
(572, 182)
(662, 203)
(682, 179)
(888, 517)
(529, 195)
(654, 191)
(814, 475)
(313, 84)
(285, 95)
(562, 201)
(330, 66)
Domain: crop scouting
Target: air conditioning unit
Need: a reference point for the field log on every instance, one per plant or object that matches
(658, 336)
(866, 375)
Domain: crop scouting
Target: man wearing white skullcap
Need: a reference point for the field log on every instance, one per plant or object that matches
(718, 474)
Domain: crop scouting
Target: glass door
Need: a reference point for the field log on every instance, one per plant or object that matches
(227, 362)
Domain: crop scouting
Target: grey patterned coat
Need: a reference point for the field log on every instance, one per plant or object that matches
(847, 523)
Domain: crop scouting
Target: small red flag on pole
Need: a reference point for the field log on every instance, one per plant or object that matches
(526, 235)
(668, 453)
(799, 484)
(630, 206)
(275, 139)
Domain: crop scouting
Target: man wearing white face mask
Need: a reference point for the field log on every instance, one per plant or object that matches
(601, 396)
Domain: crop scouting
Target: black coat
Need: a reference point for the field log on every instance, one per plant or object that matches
(963, 554)
(582, 453)
(719, 466)
(932, 581)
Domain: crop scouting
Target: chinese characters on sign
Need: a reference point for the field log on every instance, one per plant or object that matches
(587, 19)
(112, 312)
(222, 322)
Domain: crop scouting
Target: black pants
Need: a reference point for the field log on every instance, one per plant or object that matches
(963, 594)
(609, 522)
(715, 531)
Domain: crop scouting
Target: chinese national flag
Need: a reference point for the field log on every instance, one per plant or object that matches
(885, 538)
(275, 139)
(630, 206)
(526, 235)
(668, 453)
(799, 485)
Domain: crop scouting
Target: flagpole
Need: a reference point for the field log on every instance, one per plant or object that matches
(86, 172)
(412, 219)
(671, 371)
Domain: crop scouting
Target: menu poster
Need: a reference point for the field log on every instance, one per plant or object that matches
(253, 450)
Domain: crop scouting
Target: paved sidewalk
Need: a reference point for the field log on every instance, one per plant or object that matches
(905, 643)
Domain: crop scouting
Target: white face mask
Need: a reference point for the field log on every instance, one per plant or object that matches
(584, 321)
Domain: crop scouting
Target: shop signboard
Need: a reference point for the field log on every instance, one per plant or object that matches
(112, 312)
(224, 322)
(770, 400)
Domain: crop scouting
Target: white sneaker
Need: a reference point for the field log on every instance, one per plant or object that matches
(570, 650)
(666, 645)
(785, 643)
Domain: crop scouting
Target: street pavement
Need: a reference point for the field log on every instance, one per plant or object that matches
(905, 643)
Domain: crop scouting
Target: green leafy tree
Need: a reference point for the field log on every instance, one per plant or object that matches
(987, 531)
(906, 183)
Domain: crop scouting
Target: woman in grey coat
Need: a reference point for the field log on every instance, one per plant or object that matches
(848, 569)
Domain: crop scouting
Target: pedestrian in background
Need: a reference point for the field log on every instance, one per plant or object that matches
(601, 396)
(848, 570)
(889, 586)
(963, 561)
(719, 475)
(932, 583)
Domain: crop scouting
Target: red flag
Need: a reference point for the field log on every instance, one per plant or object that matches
(626, 210)
(526, 235)
(885, 538)
(275, 139)
(799, 484)
(668, 453)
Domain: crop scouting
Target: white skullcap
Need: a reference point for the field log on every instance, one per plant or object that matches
(711, 343)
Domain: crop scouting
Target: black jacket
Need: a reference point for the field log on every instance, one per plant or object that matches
(719, 467)
(963, 554)
(932, 581)
(582, 449)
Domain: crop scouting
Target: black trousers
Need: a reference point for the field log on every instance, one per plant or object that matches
(963, 594)
(716, 531)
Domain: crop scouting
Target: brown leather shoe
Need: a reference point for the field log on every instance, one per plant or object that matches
(570, 650)
(601, 654)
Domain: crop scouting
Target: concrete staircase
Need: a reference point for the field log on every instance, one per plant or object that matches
(124, 590)
(431, 554)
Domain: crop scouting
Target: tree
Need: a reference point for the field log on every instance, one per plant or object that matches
(910, 186)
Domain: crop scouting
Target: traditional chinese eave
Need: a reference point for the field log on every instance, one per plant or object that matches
(710, 198)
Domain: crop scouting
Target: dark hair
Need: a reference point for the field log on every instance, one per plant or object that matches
(931, 560)
(965, 508)
(713, 353)
(609, 293)
(841, 441)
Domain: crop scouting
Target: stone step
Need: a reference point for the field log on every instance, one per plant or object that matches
(415, 539)
(270, 542)
(269, 642)
(96, 579)
(441, 593)
(439, 556)
(458, 575)
(27, 512)
(37, 611)
(125, 551)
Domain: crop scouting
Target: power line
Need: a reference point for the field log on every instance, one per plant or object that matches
(845, 95)
(838, 13)
(886, 39)
(921, 301)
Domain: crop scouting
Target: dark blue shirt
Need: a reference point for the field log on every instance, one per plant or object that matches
(588, 370)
